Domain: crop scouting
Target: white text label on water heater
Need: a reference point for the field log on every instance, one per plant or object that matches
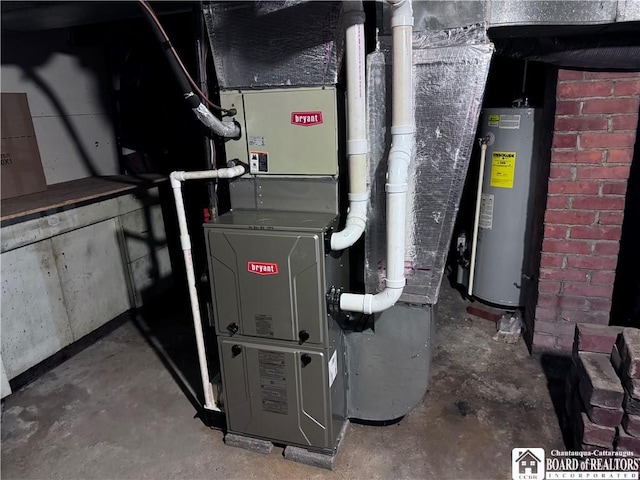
(486, 211)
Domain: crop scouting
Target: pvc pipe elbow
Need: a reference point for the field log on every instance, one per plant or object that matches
(354, 227)
(384, 300)
(346, 237)
(368, 304)
(176, 178)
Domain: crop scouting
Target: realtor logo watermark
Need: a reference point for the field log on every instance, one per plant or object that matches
(527, 463)
(534, 464)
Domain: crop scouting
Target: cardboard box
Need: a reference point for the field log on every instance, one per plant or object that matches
(21, 171)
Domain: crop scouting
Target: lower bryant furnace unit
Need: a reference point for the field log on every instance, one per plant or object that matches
(281, 352)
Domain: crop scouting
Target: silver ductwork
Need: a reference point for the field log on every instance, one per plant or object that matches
(439, 15)
(446, 114)
(267, 44)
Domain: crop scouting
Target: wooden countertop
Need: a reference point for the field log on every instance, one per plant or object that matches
(84, 190)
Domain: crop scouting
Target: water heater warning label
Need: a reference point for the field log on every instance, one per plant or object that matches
(486, 211)
(273, 382)
(503, 168)
(511, 122)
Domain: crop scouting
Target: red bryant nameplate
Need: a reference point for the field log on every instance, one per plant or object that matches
(262, 268)
(306, 119)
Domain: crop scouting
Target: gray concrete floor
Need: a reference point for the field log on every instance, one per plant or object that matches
(115, 410)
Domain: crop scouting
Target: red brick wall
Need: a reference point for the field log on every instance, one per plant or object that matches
(595, 131)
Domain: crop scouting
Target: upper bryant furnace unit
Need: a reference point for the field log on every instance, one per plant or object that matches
(285, 131)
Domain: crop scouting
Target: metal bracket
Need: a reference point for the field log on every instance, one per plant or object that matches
(327, 241)
(333, 300)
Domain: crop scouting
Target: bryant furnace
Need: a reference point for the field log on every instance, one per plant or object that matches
(281, 350)
(316, 324)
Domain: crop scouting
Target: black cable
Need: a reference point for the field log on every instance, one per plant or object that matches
(191, 98)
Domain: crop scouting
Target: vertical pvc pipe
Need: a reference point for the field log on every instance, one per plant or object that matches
(357, 145)
(185, 240)
(400, 155)
(476, 218)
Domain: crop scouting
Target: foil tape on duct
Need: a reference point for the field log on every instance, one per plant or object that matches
(449, 80)
(276, 43)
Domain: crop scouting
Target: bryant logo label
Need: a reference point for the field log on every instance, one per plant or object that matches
(306, 119)
(262, 268)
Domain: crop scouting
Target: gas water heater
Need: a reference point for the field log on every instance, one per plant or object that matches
(505, 204)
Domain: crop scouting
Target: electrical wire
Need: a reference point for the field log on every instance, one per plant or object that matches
(155, 19)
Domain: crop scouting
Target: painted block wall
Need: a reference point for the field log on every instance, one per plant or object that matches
(67, 92)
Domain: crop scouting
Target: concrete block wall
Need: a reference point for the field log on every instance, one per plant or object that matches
(595, 131)
(67, 89)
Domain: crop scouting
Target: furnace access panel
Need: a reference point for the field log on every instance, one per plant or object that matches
(268, 275)
(285, 131)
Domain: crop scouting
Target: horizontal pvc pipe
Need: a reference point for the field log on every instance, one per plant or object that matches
(353, 302)
(185, 239)
(230, 172)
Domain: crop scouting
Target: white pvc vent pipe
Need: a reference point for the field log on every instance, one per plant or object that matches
(357, 145)
(185, 240)
(400, 155)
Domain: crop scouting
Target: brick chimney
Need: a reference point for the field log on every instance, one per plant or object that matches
(595, 130)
